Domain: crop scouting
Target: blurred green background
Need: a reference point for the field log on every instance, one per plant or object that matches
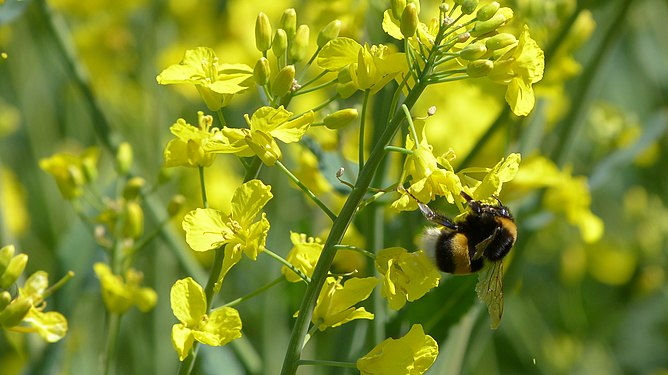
(78, 74)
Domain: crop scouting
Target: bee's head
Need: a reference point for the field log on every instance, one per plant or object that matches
(479, 208)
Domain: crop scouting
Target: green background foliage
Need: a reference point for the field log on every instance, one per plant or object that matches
(571, 306)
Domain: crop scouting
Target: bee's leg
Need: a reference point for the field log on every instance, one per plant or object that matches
(435, 217)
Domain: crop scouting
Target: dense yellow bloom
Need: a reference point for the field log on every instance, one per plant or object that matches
(217, 328)
(217, 83)
(208, 229)
(335, 305)
(406, 276)
(412, 354)
(72, 172)
(266, 124)
(520, 67)
(119, 295)
(303, 255)
(187, 149)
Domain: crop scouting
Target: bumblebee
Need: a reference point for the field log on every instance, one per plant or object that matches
(477, 242)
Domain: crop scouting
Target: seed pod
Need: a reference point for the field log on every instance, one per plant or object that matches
(262, 32)
(340, 118)
(283, 81)
(329, 32)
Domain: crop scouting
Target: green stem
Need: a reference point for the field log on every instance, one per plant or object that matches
(355, 248)
(59, 284)
(288, 264)
(316, 362)
(399, 149)
(221, 117)
(113, 329)
(306, 191)
(205, 202)
(411, 126)
(362, 127)
(255, 293)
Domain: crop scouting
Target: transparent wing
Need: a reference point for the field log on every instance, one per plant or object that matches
(490, 291)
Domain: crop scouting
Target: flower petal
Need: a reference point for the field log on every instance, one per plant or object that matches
(205, 229)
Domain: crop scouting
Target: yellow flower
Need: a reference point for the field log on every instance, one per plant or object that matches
(119, 295)
(406, 276)
(431, 176)
(266, 124)
(412, 354)
(187, 149)
(71, 172)
(208, 229)
(304, 255)
(520, 67)
(216, 83)
(51, 325)
(188, 303)
(370, 67)
(503, 171)
(335, 305)
(566, 194)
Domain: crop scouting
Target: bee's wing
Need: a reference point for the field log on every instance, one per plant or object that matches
(481, 246)
(490, 291)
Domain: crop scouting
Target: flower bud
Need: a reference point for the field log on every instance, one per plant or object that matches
(487, 11)
(484, 27)
(340, 118)
(14, 269)
(6, 255)
(5, 299)
(124, 158)
(289, 22)
(134, 220)
(500, 41)
(175, 204)
(345, 86)
(473, 51)
(299, 46)
(133, 188)
(468, 6)
(262, 32)
(397, 7)
(261, 71)
(280, 43)
(283, 81)
(409, 20)
(329, 32)
(14, 313)
(479, 68)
